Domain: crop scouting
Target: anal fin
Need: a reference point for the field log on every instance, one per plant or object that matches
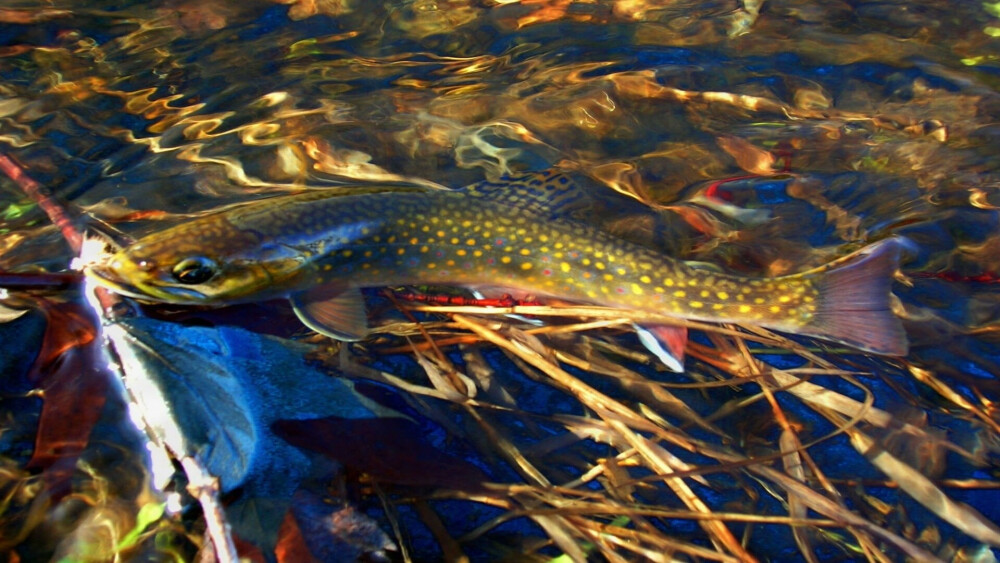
(666, 342)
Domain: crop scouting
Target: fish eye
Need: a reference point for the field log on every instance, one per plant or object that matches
(194, 270)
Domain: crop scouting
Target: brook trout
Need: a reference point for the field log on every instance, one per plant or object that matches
(319, 248)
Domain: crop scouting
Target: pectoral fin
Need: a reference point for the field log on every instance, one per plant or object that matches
(332, 311)
(666, 342)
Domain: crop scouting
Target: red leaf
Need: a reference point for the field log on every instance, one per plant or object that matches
(292, 546)
(73, 390)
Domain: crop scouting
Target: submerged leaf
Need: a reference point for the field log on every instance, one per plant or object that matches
(74, 389)
(213, 393)
(389, 449)
(7, 314)
(318, 530)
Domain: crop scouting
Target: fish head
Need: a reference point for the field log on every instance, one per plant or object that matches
(199, 263)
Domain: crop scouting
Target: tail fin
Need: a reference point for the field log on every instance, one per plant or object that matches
(854, 303)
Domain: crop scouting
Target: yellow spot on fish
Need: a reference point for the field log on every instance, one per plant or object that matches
(807, 298)
(608, 277)
(692, 282)
(327, 267)
(599, 265)
(636, 289)
(368, 254)
(704, 293)
(440, 234)
(696, 304)
(466, 224)
(775, 309)
(525, 251)
(346, 253)
(414, 240)
(526, 266)
(645, 279)
(758, 300)
(585, 261)
(669, 282)
(744, 308)
(431, 265)
(471, 242)
(390, 240)
(784, 299)
(424, 248)
(401, 251)
(460, 252)
(505, 259)
(477, 253)
(454, 240)
(449, 263)
(680, 293)
(717, 307)
(565, 267)
(722, 295)
(543, 238)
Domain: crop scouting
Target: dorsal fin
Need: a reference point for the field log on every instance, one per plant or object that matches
(547, 192)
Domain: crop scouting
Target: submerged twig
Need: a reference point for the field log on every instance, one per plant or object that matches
(108, 307)
(39, 194)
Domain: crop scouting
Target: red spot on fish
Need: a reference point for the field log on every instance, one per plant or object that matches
(546, 272)
(620, 289)
(500, 242)
(490, 261)
(574, 254)
(439, 253)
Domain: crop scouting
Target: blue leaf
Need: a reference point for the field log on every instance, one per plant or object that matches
(213, 393)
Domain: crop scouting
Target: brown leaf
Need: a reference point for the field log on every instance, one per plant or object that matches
(753, 159)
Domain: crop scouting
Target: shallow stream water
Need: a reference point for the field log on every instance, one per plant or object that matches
(763, 137)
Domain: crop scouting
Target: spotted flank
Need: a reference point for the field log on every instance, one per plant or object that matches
(511, 234)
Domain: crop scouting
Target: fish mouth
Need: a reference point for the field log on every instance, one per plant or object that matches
(108, 278)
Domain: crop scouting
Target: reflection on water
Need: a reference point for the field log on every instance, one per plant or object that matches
(766, 137)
